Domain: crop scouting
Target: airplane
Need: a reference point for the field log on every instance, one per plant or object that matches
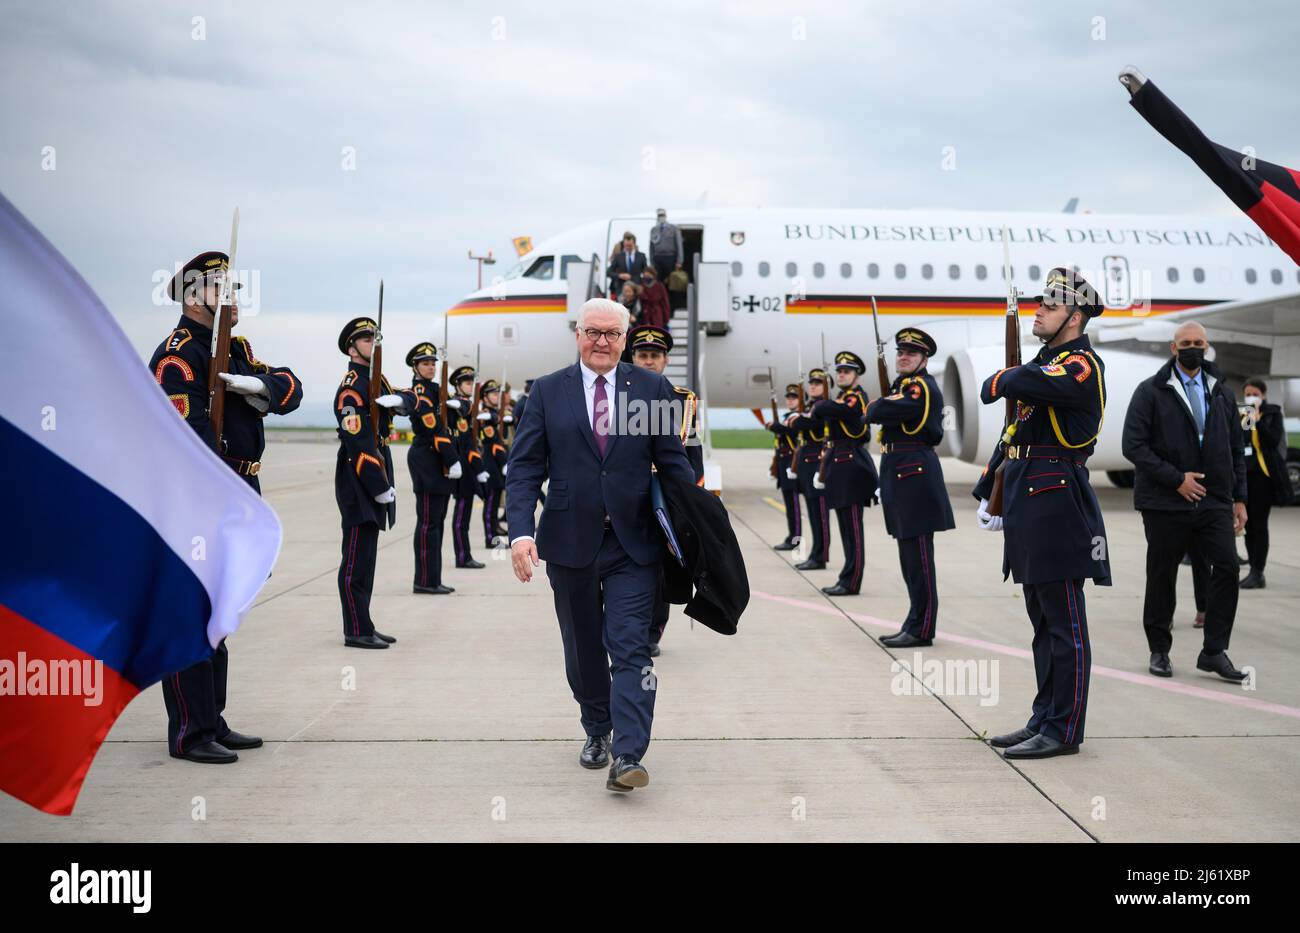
(781, 280)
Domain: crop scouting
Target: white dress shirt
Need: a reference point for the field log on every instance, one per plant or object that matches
(589, 395)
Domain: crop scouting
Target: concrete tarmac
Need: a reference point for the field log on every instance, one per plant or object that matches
(801, 727)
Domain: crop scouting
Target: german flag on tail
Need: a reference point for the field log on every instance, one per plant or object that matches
(1269, 194)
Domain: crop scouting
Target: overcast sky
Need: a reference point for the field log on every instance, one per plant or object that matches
(476, 123)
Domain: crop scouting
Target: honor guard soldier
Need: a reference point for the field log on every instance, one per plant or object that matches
(471, 461)
(491, 444)
(196, 697)
(363, 480)
(847, 471)
(787, 442)
(813, 432)
(650, 346)
(1054, 538)
(434, 464)
(912, 492)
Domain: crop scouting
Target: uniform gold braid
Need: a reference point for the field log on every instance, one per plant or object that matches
(1101, 391)
(925, 414)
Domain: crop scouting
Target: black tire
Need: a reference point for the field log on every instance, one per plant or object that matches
(1121, 478)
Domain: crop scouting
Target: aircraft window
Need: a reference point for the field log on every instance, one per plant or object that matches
(900, 270)
(981, 272)
(954, 271)
(763, 269)
(737, 269)
(1198, 274)
(1172, 274)
(543, 268)
(564, 264)
(819, 270)
(873, 270)
(1034, 272)
(791, 269)
(1251, 276)
(1276, 276)
(927, 271)
(846, 269)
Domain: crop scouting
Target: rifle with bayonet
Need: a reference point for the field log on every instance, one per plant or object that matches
(377, 367)
(771, 383)
(881, 369)
(826, 395)
(221, 343)
(1012, 338)
(443, 387)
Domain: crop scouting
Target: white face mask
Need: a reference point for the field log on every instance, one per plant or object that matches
(1254, 401)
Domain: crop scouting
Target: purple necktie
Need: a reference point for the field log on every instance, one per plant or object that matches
(600, 416)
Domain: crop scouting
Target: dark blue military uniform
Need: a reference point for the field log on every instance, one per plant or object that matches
(432, 454)
(1054, 537)
(490, 432)
(813, 433)
(850, 473)
(913, 494)
(786, 442)
(196, 697)
(471, 461)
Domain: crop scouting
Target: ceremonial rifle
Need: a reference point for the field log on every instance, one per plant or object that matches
(826, 396)
(1012, 359)
(771, 384)
(377, 366)
(443, 387)
(881, 369)
(221, 343)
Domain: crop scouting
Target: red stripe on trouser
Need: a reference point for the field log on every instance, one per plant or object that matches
(347, 580)
(927, 630)
(826, 530)
(798, 515)
(424, 541)
(858, 546)
(1077, 637)
(456, 531)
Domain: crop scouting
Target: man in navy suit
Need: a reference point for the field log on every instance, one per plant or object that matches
(594, 429)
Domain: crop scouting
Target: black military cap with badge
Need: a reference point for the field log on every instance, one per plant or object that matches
(421, 352)
(190, 281)
(792, 390)
(847, 359)
(355, 329)
(650, 337)
(913, 338)
(462, 374)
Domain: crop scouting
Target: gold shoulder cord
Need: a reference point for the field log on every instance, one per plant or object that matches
(1101, 391)
(924, 415)
(848, 433)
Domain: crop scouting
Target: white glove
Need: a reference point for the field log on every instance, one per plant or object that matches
(791, 474)
(485, 416)
(505, 469)
(507, 419)
(387, 496)
(482, 477)
(455, 471)
(986, 521)
(817, 482)
(452, 403)
(244, 385)
(390, 401)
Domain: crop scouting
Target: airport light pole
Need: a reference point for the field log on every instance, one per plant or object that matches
(482, 261)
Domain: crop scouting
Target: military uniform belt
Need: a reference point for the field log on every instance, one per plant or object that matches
(896, 446)
(244, 467)
(1044, 452)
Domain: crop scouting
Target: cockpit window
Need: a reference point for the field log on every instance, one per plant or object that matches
(542, 268)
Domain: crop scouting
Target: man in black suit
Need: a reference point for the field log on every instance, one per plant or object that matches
(626, 265)
(1183, 434)
(594, 429)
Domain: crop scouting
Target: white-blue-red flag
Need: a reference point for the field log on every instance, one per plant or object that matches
(131, 550)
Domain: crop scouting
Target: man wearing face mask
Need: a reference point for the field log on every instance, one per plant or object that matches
(1183, 434)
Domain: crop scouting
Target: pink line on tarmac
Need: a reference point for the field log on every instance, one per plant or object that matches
(1169, 686)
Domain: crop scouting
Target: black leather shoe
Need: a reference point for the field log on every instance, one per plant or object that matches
(382, 637)
(209, 753)
(786, 545)
(470, 565)
(838, 590)
(364, 641)
(1160, 665)
(1219, 664)
(1040, 746)
(626, 773)
(906, 640)
(810, 564)
(595, 752)
(1012, 738)
(1253, 581)
(654, 649)
(438, 590)
(238, 740)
